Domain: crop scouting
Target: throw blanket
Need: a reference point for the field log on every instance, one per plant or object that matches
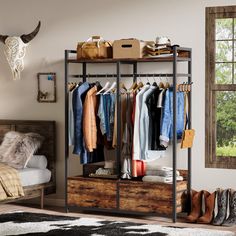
(164, 173)
(161, 179)
(155, 165)
(10, 185)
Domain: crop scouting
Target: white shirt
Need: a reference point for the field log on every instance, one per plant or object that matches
(144, 125)
(136, 139)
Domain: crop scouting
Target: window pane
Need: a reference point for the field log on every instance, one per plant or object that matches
(234, 28)
(224, 50)
(224, 28)
(234, 79)
(226, 123)
(235, 51)
(223, 73)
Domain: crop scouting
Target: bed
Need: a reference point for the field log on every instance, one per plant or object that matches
(31, 186)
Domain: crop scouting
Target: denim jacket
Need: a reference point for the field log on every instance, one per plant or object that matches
(167, 119)
(77, 100)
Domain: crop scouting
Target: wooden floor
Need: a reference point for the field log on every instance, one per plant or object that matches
(5, 208)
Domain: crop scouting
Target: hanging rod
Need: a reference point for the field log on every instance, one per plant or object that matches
(129, 75)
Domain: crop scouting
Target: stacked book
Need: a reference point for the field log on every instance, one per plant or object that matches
(155, 50)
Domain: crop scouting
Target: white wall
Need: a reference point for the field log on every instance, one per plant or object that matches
(66, 22)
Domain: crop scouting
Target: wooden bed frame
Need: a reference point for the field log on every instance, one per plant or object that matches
(48, 130)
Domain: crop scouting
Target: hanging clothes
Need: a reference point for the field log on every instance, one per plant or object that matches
(167, 120)
(144, 125)
(155, 107)
(71, 131)
(126, 154)
(78, 98)
(137, 134)
(106, 114)
(87, 141)
(123, 117)
(89, 120)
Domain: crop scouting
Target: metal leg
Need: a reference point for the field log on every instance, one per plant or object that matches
(118, 147)
(66, 125)
(189, 127)
(174, 134)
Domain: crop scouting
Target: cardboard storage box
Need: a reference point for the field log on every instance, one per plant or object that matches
(128, 48)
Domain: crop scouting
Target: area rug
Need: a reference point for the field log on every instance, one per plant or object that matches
(26, 223)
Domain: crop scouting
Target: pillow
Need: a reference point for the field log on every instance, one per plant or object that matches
(37, 161)
(17, 148)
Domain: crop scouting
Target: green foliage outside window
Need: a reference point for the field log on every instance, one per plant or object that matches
(225, 71)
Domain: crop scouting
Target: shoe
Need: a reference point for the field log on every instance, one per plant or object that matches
(222, 200)
(231, 220)
(209, 208)
(196, 211)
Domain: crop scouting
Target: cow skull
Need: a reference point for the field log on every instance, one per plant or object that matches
(15, 48)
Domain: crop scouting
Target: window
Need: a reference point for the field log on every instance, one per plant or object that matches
(221, 87)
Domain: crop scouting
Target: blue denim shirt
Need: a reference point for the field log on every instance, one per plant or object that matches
(107, 107)
(79, 147)
(167, 119)
(106, 114)
(101, 116)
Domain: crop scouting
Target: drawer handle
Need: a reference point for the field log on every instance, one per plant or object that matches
(143, 192)
(90, 201)
(143, 206)
(84, 188)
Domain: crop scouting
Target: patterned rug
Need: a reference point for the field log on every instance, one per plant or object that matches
(25, 223)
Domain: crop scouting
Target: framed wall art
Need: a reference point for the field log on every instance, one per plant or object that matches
(46, 87)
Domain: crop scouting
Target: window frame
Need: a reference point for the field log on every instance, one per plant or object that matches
(211, 161)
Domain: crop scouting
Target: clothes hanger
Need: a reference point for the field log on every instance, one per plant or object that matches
(72, 86)
(161, 85)
(154, 81)
(190, 87)
(167, 85)
(104, 88)
(111, 88)
(97, 83)
(148, 83)
(140, 85)
(122, 85)
(134, 85)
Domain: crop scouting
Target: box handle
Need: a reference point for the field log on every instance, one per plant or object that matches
(126, 45)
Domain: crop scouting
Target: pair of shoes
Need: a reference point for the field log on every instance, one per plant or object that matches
(223, 197)
(196, 214)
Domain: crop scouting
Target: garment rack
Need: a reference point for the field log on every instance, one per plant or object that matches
(134, 62)
(129, 75)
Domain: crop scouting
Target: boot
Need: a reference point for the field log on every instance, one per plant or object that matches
(209, 208)
(196, 207)
(231, 220)
(222, 200)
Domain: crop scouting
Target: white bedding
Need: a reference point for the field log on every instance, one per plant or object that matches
(33, 176)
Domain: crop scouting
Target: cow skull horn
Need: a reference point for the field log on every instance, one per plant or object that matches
(26, 38)
(15, 48)
(3, 38)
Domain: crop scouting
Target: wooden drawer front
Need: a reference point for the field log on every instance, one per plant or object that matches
(89, 193)
(144, 197)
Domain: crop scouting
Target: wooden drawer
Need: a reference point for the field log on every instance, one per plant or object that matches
(149, 197)
(88, 192)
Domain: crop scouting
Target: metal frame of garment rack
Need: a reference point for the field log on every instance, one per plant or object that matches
(135, 75)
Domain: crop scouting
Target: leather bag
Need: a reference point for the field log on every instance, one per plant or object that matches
(94, 48)
(188, 134)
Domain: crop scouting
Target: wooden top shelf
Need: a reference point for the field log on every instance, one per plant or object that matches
(184, 54)
(128, 60)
